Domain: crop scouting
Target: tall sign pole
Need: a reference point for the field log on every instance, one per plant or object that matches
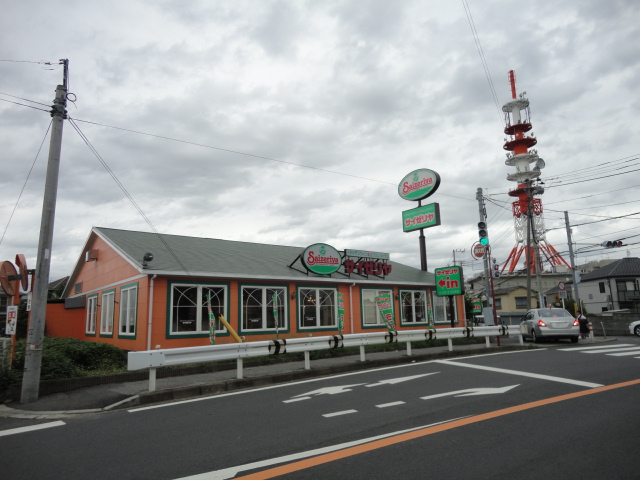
(35, 334)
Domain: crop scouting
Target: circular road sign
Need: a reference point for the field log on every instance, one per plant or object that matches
(479, 250)
(561, 286)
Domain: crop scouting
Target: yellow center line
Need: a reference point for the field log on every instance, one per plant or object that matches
(385, 442)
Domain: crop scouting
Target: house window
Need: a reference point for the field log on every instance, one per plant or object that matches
(106, 312)
(498, 303)
(190, 306)
(370, 315)
(317, 307)
(92, 310)
(413, 306)
(128, 310)
(258, 311)
(601, 286)
(521, 303)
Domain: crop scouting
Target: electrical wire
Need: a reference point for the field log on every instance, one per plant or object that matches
(25, 182)
(127, 194)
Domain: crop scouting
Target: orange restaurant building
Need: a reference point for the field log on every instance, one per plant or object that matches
(141, 291)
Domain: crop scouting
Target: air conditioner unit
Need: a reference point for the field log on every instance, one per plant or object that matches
(91, 255)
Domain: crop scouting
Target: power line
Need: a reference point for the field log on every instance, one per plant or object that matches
(127, 194)
(25, 182)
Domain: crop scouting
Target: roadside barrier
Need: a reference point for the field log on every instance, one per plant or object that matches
(154, 359)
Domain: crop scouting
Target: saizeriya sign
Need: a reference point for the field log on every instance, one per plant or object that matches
(323, 259)
(419, 184)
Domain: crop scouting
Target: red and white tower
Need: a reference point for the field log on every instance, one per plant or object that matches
(526, 205)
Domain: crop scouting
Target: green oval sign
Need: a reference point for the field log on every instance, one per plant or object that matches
(322, 259)
(419, 184)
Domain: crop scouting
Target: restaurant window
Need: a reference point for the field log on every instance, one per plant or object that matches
(440, 306)
(413, 306)
(370, 315)
(263, 308)
(190, 308)
(128, 310)
(317, 307)
(106, 312)
(92, 312)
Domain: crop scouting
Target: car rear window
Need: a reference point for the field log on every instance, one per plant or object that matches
(553, 312)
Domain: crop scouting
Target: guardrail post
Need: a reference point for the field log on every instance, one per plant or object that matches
(408, 349)
(239, 368)
(450, 344)
(521, 339)
(487, 341)
(307, 360)
(362, 353)
(152, 379)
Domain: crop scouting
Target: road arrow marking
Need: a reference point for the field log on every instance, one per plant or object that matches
(393, 381)
(471, 392)
(323, 391)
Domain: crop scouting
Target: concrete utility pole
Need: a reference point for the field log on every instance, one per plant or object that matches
(33, 354)
(487, 278)
(574, 273)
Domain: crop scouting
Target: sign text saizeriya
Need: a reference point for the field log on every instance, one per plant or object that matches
(321, 258)
(419, 184)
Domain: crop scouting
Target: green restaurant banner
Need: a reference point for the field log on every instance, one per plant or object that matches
(386, 311)
(340, 313)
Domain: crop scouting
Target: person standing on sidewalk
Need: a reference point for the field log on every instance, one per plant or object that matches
(584, 325)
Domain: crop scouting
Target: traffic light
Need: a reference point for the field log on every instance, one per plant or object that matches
(483, 234)
(615, 243)
(496, 270)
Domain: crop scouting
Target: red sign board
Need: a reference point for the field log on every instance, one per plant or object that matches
(479, 250)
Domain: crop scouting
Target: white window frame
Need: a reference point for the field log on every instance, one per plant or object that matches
(92, 315)
(128, 311)
(440, 307)
(107, 303)
(202, 317)
(266, 302)
(370, 294)
(413, 294)
(310, 301)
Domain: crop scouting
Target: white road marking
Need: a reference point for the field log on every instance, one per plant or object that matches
(31, 428)
(393, 381)
(622, 349)
(391, 404)
(471, 392)
(521, 374)
(231, 472)
(623, 354)
(296, 399)
(337, 414)
(595, 347)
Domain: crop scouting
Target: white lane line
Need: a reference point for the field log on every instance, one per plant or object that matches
(607, 352)
(296, 399)
(337, 414)
(391, 404)
(622, 354)
(231, 472)
(522, 374)
(596, 347)
(393, 381)
(31, 428)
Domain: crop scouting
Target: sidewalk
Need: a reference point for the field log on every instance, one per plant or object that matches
(125, 395)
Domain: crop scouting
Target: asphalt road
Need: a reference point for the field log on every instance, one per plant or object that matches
(565, 411)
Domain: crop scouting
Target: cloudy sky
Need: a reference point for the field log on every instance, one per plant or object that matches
(292, 122)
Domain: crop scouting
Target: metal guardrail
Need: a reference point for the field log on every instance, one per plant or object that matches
(153, 359)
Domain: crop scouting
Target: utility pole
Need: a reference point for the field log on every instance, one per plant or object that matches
(454, 255)
(487, 278)
(33, 354)
(574, 272)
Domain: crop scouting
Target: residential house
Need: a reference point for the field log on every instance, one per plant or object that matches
(612, 287)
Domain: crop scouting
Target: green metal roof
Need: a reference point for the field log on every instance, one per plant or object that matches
(211, 257)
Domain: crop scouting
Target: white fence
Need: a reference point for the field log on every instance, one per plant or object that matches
(153, 359)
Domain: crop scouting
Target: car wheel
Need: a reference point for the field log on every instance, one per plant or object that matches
(534, 337)
(637, 330)
(574, 339)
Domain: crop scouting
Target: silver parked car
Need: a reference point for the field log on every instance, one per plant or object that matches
(634, 328)
(540, 323)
